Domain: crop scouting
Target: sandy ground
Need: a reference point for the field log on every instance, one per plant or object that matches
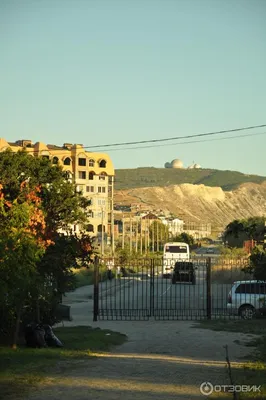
(160, 360)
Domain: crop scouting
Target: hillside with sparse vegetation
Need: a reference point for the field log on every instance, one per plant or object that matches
(150, 177)
(203, 195)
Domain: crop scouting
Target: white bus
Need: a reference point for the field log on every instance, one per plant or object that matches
(173, 252)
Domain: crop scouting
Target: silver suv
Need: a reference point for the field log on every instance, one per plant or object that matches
(247, 299)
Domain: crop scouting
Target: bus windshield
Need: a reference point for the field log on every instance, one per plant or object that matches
(176, 249)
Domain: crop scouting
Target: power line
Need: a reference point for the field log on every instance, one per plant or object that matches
(67, 152)
(179, 137)
(190, 142)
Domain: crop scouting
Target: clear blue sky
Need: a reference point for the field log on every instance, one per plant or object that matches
(103, 71)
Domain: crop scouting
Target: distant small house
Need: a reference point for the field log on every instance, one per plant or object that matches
(175, 225)
(150, 216)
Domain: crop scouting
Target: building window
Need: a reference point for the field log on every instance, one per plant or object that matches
(82, 174)
(102, 164)
(91, 175)
(89, 188)
(101, 202)
(90, 214)
(102, 176)
(67, 161)
(91, 163)
(55, 160)
(82, 162)
(47, 157)
(90, 228)
(101, 189)
(101, 228)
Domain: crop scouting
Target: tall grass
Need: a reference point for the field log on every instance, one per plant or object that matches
(85, 276)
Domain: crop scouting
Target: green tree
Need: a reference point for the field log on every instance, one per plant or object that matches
(62, 205)
(158, 234)
(184, 237)
(56, 206)
(254, 227)
(257, 265)
(246, 229)
(22, 244)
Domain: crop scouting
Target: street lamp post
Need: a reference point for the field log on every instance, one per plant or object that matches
(102, 244)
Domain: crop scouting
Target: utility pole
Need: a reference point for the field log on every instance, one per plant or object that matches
(130, 236)
(153, 234)
(112, 217)
(102, 250)
(145, 235)
(137, 236)
(123, 233)
(148, 233)
(140, 235)
(264, 244)
(157, 239)
(161, 235)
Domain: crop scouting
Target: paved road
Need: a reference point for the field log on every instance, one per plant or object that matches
(208, 251)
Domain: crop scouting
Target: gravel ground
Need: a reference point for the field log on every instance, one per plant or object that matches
(160, 360)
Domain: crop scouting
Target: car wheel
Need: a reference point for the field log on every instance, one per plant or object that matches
(247, 312)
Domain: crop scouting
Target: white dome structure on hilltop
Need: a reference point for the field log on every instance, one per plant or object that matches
(177, 163)
(194, 166)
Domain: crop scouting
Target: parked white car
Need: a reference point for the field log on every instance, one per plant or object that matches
(247, 299)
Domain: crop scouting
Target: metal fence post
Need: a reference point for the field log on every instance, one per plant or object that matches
(152, 288)
(96, 289)
(209, 294)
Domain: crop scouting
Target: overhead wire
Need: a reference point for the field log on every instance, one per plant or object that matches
(67, 152)
(179, 137)
(190, 142)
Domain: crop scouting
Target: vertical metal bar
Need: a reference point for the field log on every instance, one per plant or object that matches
(209, 294)
(96, 289)
(152, 288)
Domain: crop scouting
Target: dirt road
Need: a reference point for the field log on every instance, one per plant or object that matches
(160, 360)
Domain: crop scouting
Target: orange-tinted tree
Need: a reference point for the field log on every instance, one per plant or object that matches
(22, 245)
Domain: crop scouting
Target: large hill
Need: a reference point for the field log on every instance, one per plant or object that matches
(198, 195)
(149, 177)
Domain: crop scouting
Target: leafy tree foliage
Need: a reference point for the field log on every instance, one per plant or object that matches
(36, 261)
(184, 237)
(240, 230)
(257, 265)
(60, 202)
(160, 231)
(22, 244)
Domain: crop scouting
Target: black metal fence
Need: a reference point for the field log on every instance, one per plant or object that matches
(202, 288)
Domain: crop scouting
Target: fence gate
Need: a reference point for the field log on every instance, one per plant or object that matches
(140, 289)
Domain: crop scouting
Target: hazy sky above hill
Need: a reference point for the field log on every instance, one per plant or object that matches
(109, 71)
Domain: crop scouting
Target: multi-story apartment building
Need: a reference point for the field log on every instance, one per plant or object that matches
(93, 174)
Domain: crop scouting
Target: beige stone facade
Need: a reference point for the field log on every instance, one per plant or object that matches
(93, 174)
